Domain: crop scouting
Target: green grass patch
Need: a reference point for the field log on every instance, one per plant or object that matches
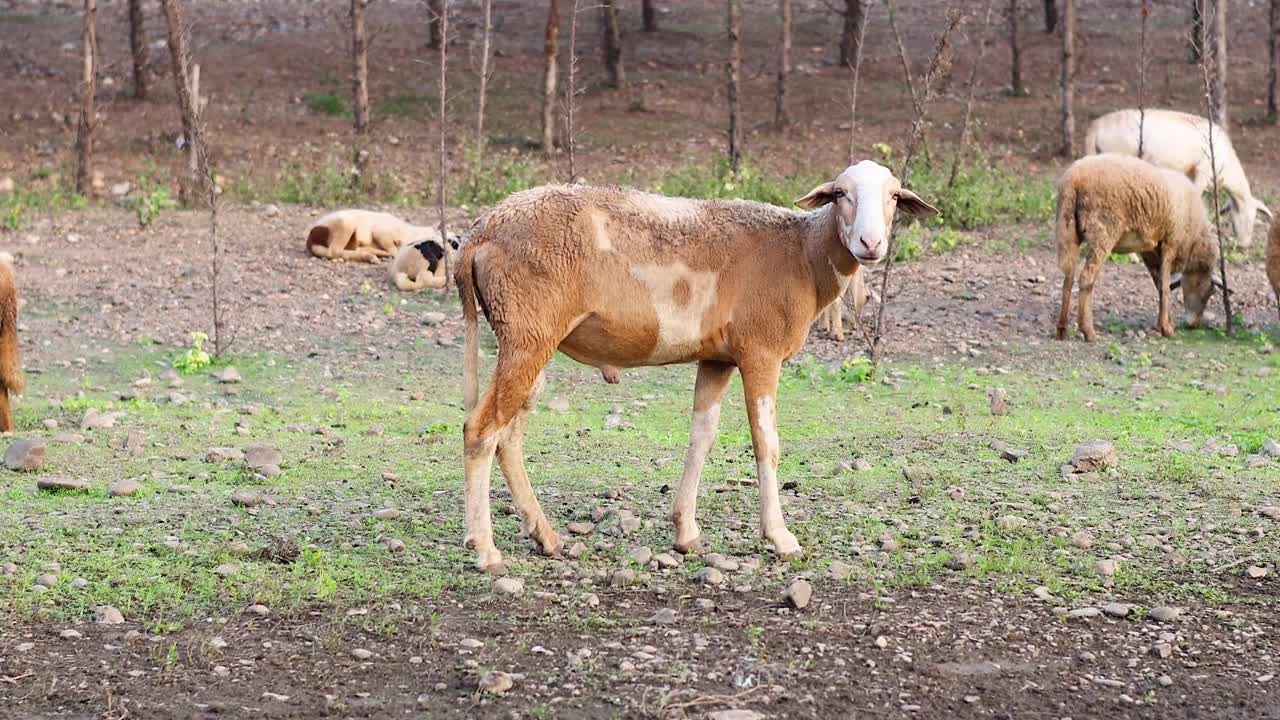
(328, 103)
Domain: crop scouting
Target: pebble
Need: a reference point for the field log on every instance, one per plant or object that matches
(107, 615)
(1117, 609)
(1084, 612)
(508, 586)
(1106, 568)
(245, 499)
(79, 583)
(220, 454)
(221, 671)
(1094, 455)
(26, 455)
(62, 483)
(720, 562)
(861, 465)
(127, 487)
(665, 616)
(1164, 680)
(496, 682)
(738, 714)
(228, 375)
(361, 654)
(70, 635)
(47, 580)
(261, 456)
(226, 569)
(260, 610)
(395, 545)
(1162, 650)
(1042, 592)
(94, 420)
(1008, 523)
(1256, 571)
(641, 555)
(665, 560)
(576, 550)
(839, 570)
(709, 576)
(623, 578)
(387, 514)
(1082, 540)
(470, 644)
(581, 528)
(798, 594)
(1164, 614)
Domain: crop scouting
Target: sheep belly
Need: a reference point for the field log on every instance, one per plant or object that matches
(1132, 242)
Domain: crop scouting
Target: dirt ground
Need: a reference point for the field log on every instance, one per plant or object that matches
(92, 281)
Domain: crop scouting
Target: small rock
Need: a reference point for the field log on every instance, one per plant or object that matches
(26, 455)
(62, 483)
(1106, 568)
(1094, 455)
(666, 560)
(220, 454)
(640, 555)
(839, 570)
(1012, 455)
(798, 594)
(47, 580)
(735, 715)
(559, 404)
(1082, 540)
(127, 487)
(70, 635)
(433, 318)
(999, 401)
(387, 514)
(1256, 571)
(1164, 680)
(1042, 592)
(861, 465)
(245, 498)
(581, 528)
(917, 475)
(508, 586)
(1270, 448)
(79, 583)
(1084, 612)
(576, 550)
(226, 569)
(629, 525)
(665, 616)
(395, 545)
(228, 375)
(1164, 614)
(221, 671)
(259, 610)
(496, 682)
(361, 654)
(623, 578)
(94, 420)
(720, 562)
(961, 561)
(261, 456)
(709, 576)
(107, 615)
(1009, 523)
(1162, 650)
(1117, 609)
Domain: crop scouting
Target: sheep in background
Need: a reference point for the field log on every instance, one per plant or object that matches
(1273, 262)
(1180, 142)
(421, 265)
(831, 319)
(11, 378)
(617, 278)
(363, 235)
(1120, 204)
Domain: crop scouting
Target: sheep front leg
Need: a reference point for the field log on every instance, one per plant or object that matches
(760, 383)
(713, 378)
(1163, 323)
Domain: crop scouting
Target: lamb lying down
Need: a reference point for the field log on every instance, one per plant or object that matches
(363, 235)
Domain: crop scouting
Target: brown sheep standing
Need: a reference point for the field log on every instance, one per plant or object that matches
(11, 379)
(1120, 204)
(1273, 261)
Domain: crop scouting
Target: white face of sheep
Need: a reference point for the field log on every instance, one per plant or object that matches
(1243, 216)
(865, 197)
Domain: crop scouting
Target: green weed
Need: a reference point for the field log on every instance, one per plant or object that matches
(329, 103)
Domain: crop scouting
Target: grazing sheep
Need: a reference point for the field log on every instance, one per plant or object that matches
(617, 278)
(1119, 204)
(831, 318)
(1273, 262)
(421, 265)
(363, 235)
(11, 379)
(1180, 142)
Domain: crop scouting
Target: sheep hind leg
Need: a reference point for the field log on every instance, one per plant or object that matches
(511, 460)
(6, 412)
(513, 381)
(1088, 277)
(1068, 281)
(713, 378)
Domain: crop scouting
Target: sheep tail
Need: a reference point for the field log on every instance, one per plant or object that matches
(10, 364)
(1068, 231)
(464, 276)
(1091, 139)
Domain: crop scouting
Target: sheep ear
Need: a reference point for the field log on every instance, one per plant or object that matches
(1265, 210)
(817, 197)
(911, 204)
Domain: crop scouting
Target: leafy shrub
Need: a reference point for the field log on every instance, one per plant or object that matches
(500, 176)
(717, 181)
(194, 358)
(984, 195)
(330, 103)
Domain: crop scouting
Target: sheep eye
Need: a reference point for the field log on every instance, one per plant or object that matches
(837, 193)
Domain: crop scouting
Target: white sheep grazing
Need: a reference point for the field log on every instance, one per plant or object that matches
(617, 278)
(1120, 204)
(1180, 142)
(363, 235)
(421, 265)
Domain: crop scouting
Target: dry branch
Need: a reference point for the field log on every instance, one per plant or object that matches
(734, 72)
(88, 88)
(1211, 100)
(968, 104)
(484, 82)
(780, 118)
(443, 178)
(855, 73)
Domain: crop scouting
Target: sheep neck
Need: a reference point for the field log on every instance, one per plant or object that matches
(830, 262)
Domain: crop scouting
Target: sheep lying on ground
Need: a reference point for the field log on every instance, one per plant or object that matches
(11, 379)
(363, 235)
(1180, 142)
(831, 318)
(617, 278)
(1273, 262)
(1119, 204)
(421, 265)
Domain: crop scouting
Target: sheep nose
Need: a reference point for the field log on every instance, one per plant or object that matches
(870, 244)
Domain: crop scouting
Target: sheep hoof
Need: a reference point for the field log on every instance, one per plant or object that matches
(551, 544)
(491, 563)
(689, 547)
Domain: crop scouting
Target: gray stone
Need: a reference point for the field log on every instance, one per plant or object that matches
(387, 514)
(1117, 609)
(1270, 448)
(1082, 540)
(839, 570)
(496, 682)
(641, 555)
(623, 578)
(1164, 614)
(228, 375)
(361, 654)
(26, 455)
(1084, 612)
(709, 576)
(260, 456)
(581, 528)
(508, 586)
(798, 594)
(94, 420)
(126, 487)
(220, 454)
(107, 615)
(1094, 455)
(665, 616)
(54, 483)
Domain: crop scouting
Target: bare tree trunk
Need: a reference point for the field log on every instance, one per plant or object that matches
(551, 48)
(436, 10)
(855, 72)
(178, 54)
(484, 82)
(902, 52)
(649, 15)
(780, 117)
(1142, 77)
(88, 88)
(1273, 77)
(360, 62)
(855, 23)
(1068, 78)
(1220, 61)
(734, 69)
(1197, 31)
(138, 48)
(973, 88)
(443, 179)
(611, 43)
(1212, 113)
(1050, 16)
(1015, 53)
(571, 95)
